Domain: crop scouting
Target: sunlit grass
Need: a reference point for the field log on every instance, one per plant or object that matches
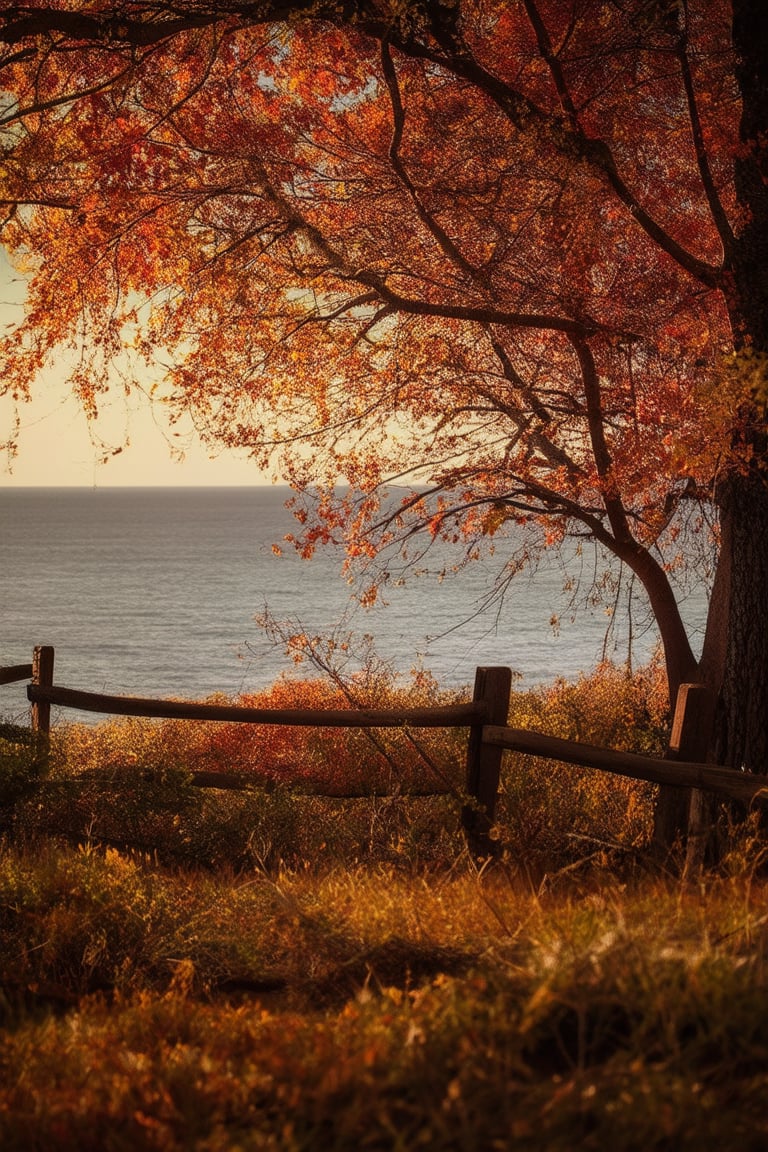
(148, 1008)
(271, 970)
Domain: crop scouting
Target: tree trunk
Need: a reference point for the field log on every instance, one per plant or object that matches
(680, 662)
(748, 302)
(735, 657)
(671, 814)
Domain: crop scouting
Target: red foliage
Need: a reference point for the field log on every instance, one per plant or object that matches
(484, 248)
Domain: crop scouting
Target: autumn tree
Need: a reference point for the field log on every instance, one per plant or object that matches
(512, 252)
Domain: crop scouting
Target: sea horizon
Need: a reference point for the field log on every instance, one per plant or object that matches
(160, 598)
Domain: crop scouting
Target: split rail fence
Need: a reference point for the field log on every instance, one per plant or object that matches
(485, 716)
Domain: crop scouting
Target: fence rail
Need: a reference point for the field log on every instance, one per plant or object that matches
(450, 716)
(680, 773)
(14, 673)
(485, 717)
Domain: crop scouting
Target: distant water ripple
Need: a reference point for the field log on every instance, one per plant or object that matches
(154, 592)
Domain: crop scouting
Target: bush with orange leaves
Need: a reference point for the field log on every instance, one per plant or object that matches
(332, 761)
(340, 761)
(611, 706)
(131, 781)
(328, 760)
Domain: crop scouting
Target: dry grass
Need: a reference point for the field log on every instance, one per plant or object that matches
(360, 1008)
(276, 971)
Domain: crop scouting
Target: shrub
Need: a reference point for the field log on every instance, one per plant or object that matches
(334, 760)
(131, 781)
(22, 768)
(551, 815)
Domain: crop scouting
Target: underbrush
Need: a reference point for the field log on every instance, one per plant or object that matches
(131, 783)
(275, 969)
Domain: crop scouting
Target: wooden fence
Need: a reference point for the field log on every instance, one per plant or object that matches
(485, 716)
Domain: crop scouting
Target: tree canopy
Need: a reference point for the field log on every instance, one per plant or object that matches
(507, 251)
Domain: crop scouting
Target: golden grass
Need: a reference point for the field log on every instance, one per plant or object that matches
(361, 1008)
(277, 971)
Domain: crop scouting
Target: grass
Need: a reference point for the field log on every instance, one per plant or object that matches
(272, 970)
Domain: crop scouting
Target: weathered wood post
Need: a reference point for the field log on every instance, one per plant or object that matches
(696, 703)
(690, 739)
(492, 690)
(42, 677)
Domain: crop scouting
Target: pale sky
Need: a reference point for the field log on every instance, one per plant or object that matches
(56, 447)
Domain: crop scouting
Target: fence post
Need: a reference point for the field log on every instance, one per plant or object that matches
(694, 740)
(682, 810)
(492, 691)
(42, 677)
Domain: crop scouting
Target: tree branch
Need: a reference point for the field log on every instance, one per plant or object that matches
(719, 216)
(480, 314)
(569, 139)
(614, 506)
(133, 25)
(444, 241)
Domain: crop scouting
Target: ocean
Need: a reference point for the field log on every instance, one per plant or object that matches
(154, 592)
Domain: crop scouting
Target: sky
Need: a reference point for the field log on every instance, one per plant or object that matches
(57, 448)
